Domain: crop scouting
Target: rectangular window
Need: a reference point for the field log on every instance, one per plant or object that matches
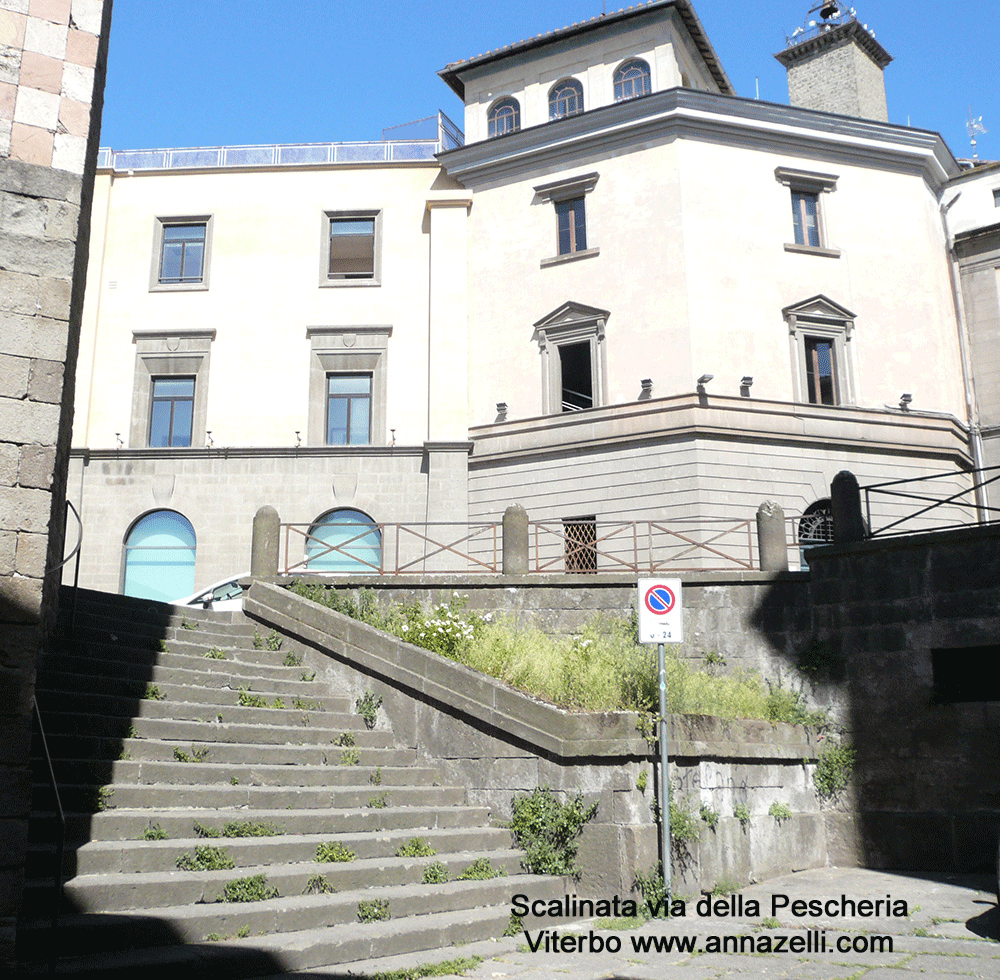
(352, 248)
(821, 376)
(182, 254)
(572, 226)
(171, 412)
(348, 409)
(805, 218)
(576, 377)
(580, 535)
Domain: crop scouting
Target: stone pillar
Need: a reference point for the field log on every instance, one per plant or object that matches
(52, 62)
(771, 542)
(845, 508)
(515, 540)
(264, 543)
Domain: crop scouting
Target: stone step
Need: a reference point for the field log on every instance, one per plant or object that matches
(184, 889)
(105, 751)
(66, 723)
(130, 824)
(207, 771)
(129, 857)
(79, 798)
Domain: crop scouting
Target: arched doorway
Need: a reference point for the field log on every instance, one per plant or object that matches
(344, 541)
(159, 557)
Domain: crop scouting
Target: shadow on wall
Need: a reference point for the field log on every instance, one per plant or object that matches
(901, 636)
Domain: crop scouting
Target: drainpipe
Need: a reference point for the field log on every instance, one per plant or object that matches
(975, 435)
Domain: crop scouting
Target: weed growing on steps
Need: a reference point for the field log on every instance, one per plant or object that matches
(415, 847)
(155, 832)
(278, 703)
(349, 757)
(153, 693)
(726, 886)
(435, 874)
(273, 642)
(367, 706)
(308, 678)
(252, 889)
(258, 640)
(187, 625)
(346, 739)
(196, 755)
(651, 886)
(206, 858)
(301, 704)
(124, 755)
(250, 700)
(333, 852)
(240, 828)
(379, 802)
(292, 659)
(546, 829)
(376, 910)
(318, 885)
(213, 937)
(215, 654)
(103, 797)
(514, 925)
(234, 781)
(376, 777)
(480, 870)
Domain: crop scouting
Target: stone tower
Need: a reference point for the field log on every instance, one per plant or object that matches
(835, 64)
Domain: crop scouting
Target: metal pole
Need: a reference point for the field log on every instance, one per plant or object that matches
(664, 771)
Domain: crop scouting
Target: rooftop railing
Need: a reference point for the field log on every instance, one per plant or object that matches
(446, 136)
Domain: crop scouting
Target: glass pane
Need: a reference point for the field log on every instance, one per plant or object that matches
(581, 226)
(194, 255)
(184, 233)
(181, 435)
(349, 384)
(173, 255)
(365, 226)
(336, 428)
(355, 544)
(160, 557)
(565, 240)
(360, 421)
(173, 387)
(159, 424)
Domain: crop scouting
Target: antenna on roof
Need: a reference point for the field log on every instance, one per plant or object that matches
(974, 126)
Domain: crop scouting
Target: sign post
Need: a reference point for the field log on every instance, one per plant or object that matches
(660, 623)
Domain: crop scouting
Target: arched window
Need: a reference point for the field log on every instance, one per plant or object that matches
(504, 117)
(159, 557)
(565, 99)
(815, 528)
(345, 541)
(632, 80)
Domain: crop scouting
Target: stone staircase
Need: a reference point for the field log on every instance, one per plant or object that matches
(167, 762)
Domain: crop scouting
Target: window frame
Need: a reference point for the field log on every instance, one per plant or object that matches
(169, 354)
(329, 217)
(350, 398)
(819, 318)
(347, 350)
(554, 99)
(173, 221)
(561, 192)
(618, 79)
(504, 102)
(805, 183)
(568, 325)
(173, 402)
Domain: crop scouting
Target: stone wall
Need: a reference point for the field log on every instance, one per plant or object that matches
(499, 743)
(52, 62)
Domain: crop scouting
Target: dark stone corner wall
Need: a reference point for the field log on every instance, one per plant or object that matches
(53, 57)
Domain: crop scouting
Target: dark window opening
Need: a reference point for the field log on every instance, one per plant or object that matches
(572, 219)
(576, 378)
(171, 412)
(580, 535)
(820, 374)
(352, 248)
(964, 674)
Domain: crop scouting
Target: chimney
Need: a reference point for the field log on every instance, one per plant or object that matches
(835, 64)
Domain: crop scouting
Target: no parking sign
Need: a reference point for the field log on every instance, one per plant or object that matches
(660, 610)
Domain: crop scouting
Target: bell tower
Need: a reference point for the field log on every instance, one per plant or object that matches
(835, 64)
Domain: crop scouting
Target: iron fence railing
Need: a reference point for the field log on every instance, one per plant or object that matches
(962, 508)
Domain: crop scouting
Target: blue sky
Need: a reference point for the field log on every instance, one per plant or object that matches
(224, 72)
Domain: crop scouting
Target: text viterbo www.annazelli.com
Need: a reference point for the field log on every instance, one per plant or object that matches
(809, 941)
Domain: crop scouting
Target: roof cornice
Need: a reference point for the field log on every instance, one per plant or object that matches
(684, 113)
(452, 73)
(841, 34)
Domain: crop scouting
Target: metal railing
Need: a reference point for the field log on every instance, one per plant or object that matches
(75, 553)
(447, 137)
(391, 548)
(679, 544)
(963, 503)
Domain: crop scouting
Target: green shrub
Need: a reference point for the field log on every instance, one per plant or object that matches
(333, 852)
(376, 910)
(779, 811)
(435, 874)
(415, 847)
(273, 642)
(155, 832)
(318, 885)
(376, 777)
(834, 769)
(202, 831)
(252, 889)
(292, 659)
(710, 816)
(480, 870)
(379, 802)
(215, 654)
(250, 700)
(153, 693)
(186, 625)
(641, 781)
(789, 706)
(349, 757)
(206, 858)
(684, 826)
(742, 813)
(250, 828)
(346, 739)
(367, 706)
(547, 829)
(651, 886)
(196, 755)
(301, 704)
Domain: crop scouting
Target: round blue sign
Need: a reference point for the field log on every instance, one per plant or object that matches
(660, 600)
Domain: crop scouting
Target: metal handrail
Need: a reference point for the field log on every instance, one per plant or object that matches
(76, 570)
(57, 882)
(983, 512)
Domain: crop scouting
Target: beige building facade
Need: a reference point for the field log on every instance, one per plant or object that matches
(627, 295)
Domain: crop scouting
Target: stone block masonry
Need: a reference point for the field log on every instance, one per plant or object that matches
(52, 62)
